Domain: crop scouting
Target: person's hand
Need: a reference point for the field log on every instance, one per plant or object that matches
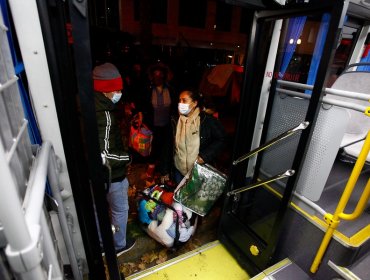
(164, 178)
(200, 160)
(140, 119)
(139, 122)
(128, 110)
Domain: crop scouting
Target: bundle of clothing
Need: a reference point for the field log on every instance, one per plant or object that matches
(165, 220)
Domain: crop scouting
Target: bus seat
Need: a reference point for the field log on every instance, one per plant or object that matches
(330, 126)
(359, 123)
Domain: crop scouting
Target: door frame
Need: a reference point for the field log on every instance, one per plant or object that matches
(236, 236)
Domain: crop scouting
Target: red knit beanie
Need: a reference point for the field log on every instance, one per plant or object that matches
(107, 78)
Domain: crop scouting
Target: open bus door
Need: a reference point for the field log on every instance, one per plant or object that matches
(252, 218)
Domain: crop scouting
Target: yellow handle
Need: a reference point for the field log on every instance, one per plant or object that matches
(367, 111)
(354, 177)
(333, 220)
(362, 203)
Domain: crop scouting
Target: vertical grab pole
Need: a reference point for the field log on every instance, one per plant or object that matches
(333, 220)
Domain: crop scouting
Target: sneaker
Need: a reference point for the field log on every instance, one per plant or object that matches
(130, 243)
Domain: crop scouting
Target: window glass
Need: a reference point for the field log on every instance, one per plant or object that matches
(158, 10)
(223, 17)
(244, 21)
(342, 54)
(193, 13)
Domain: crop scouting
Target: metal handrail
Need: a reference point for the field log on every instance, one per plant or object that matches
(348, 94)
(8, 83)
(355, 65)
(327, 100)
(33, 205)
(360, 205)
(54, 184)
(282, 136)
(31, 219)
(288, 173)
(338, 92)
(20, 239)
(333, 219)
(14, 146)
(34, 196)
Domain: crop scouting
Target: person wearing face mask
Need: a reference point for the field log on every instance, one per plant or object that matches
(199, 136)
(107, 92)
(158, 106)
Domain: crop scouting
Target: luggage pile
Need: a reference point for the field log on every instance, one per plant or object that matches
(165, 220)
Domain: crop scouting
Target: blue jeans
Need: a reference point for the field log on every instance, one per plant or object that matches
(178, 176)
(118, 201)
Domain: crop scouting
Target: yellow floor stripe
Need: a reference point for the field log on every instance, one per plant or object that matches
(210, 262)
(355, 241)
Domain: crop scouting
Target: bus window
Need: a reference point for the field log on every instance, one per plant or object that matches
(342, 54)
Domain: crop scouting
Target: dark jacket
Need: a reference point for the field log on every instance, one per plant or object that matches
(110, 139)
(212, 137)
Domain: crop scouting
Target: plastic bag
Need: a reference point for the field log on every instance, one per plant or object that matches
(201, 190)
(141, 139)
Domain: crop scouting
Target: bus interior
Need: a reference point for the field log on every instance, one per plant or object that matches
(296, 201)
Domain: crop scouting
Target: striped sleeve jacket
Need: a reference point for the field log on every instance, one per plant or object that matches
(110, 139)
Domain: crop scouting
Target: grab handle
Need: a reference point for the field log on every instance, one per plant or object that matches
(288, 173)
(361, 205)
(282, 136)
(333, 219)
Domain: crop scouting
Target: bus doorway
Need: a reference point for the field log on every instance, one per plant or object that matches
(253, 214)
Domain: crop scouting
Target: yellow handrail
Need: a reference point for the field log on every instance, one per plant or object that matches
(333, 220)
(360, 205)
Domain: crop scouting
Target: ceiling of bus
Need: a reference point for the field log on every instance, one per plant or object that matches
(359, 9)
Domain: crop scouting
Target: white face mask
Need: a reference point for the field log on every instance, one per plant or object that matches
(184, 108)
(116, 97)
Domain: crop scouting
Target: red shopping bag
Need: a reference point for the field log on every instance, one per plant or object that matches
(141, 139)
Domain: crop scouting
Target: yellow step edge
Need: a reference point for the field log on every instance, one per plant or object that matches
(283, 263)
(359, 237)
(209, 262)
(354, 241)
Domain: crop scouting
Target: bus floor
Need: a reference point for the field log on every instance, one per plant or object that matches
(201, 263)
(147, 252)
